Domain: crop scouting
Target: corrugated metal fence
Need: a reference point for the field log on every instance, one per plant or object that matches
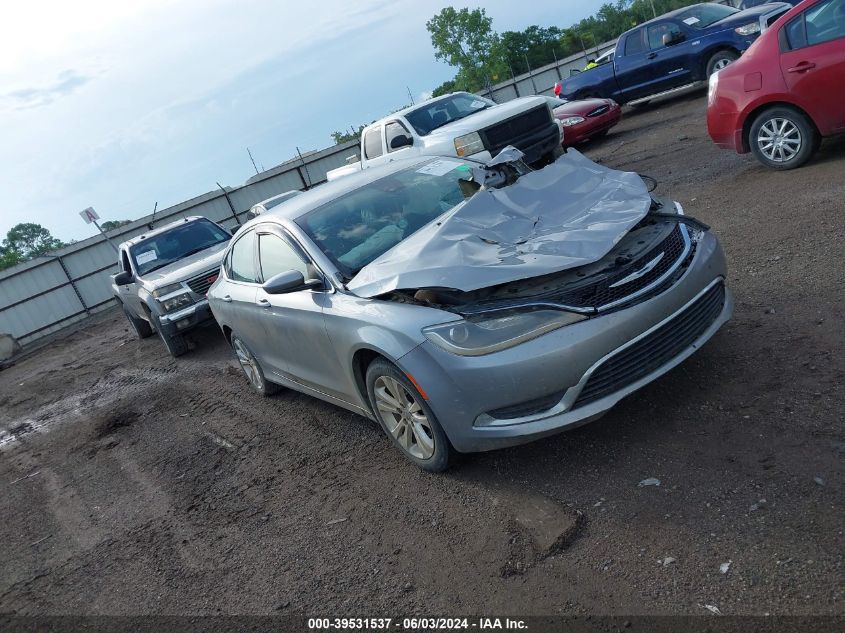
(49, 293)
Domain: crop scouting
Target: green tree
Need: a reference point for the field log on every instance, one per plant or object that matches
(466, 40)
(343, 137)
(30, 240)
(9, 258)
(108, 225)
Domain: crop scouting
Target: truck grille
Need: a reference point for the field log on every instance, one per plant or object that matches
(515, 130)
(606, 292)
(654, 350)
(201, 283)
(598, 111)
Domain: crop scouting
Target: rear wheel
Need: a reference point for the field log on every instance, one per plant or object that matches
(720, 60)
(252, 370)
(406, 417)
(782, 138)
(141, 327)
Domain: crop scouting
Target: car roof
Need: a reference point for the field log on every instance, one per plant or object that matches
(162, 229)
(309, 200)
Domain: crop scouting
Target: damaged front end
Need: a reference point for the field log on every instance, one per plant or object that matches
(648, 259)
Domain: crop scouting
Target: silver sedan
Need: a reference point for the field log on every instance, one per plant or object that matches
(468, 306)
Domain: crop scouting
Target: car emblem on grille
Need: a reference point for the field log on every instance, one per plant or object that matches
(212, 279)
(639, 273)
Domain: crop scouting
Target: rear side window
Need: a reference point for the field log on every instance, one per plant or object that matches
(796, 37)
(822, 23)
(242, 259)
(635, 43)
(372, 143)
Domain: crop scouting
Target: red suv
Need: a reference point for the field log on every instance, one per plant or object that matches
(787, 91)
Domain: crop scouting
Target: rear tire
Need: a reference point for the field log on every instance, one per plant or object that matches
(782, 138)
(252, 370)
(719, 60)
(406, 417)
(141, 327)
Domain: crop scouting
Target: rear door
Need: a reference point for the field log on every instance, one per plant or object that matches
(633, 71)
(238, 294)
(373, 145)
(812, 61)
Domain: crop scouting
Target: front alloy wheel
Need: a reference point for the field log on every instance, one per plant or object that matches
(406, 417)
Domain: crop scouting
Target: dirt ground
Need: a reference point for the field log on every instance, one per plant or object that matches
(134, 483)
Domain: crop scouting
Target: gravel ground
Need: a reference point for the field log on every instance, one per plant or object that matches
(133, 483)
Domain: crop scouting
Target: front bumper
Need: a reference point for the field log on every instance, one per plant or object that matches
(463, 391)
(187, 318)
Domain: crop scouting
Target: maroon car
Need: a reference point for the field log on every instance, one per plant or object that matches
(585, 119)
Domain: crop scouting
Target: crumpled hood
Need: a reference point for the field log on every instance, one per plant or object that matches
(566, 215)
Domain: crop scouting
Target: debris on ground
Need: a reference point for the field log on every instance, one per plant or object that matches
(651, 481)
(724, 567)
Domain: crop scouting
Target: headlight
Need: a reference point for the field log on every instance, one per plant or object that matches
(166, 290)
(469, 144)
(476, 338)
(748, 29)
(713, 83)
(571, 120)
(179, 301)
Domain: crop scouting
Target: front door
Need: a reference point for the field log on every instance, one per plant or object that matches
(296, 344)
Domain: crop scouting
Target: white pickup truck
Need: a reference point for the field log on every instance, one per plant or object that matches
(460, 124)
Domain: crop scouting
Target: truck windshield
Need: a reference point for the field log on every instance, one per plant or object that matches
(700, 16)
(360, 226)
(179, 242)
(433, 115)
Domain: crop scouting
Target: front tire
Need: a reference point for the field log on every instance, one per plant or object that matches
(406, 417)
(782, 138)
(141, 327)
(252, 370)
(720, 60)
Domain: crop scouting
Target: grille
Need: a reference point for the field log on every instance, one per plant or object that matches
(598, 111)
(654, 350)
(601, 293)
(201, 283)
(512, 131)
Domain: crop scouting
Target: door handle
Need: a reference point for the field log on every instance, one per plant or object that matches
(227, 299)
(263, 303)
(802, 67)
(652, 55)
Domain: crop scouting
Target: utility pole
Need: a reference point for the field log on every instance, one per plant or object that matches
(654, 12)
(304, 166)
(153, 216)
(253, 161)
(410, 96)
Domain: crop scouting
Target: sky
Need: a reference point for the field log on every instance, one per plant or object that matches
(119, 105)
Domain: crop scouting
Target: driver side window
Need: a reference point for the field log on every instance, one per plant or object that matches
(277, 256)
(241, 261)
(656, 33)
(391, 131)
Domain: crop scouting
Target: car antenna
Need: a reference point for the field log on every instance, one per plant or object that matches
(153, 217)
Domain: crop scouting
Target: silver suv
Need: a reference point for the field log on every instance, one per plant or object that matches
(165, 275)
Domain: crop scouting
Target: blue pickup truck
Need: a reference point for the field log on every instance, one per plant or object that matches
(673, 51)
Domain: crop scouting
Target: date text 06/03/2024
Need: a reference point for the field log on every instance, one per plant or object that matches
(416, 624)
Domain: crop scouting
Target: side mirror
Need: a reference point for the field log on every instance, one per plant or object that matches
(403, 140)
(670, 39)
(289, 281)
(123, 278)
